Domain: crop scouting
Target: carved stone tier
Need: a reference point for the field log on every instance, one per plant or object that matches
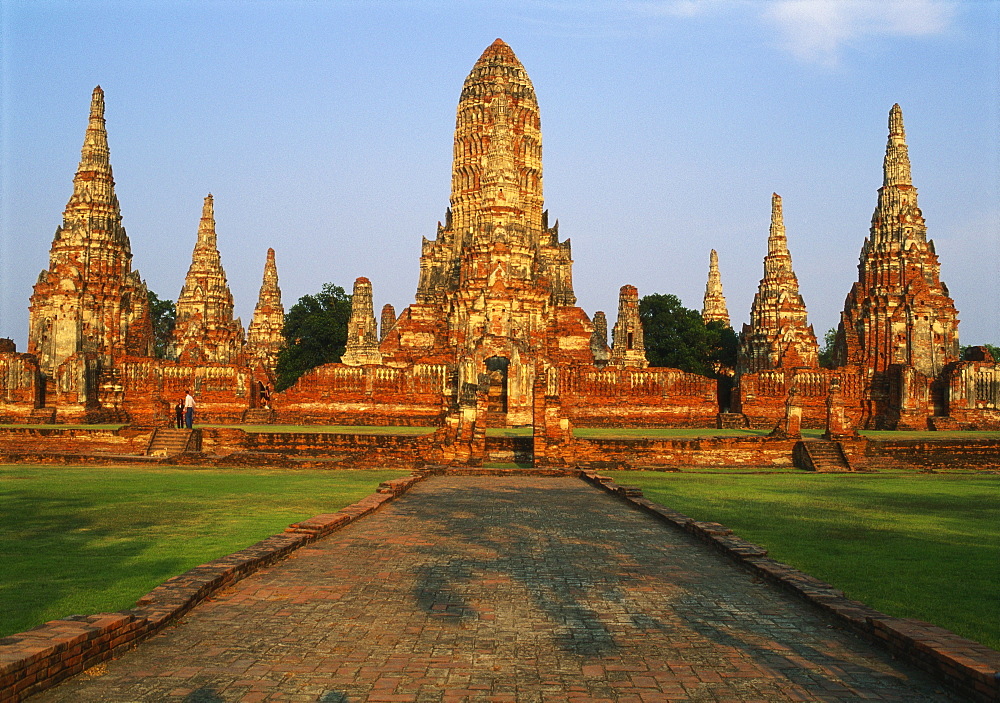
(779, 335)
(362, 330)
(627, 346)
(714, 305)
(264, 338)
(899, 311)
(90, 301)
(205, 332)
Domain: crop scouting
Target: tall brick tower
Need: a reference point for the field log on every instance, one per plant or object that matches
(90, 301)
(362, 330)
(627, 345)
(264, 338)
(779, 335)
(206, 332)
(714, 304)
(899, 324)
(495, 293)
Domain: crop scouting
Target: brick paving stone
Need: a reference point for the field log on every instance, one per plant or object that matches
(503, 589)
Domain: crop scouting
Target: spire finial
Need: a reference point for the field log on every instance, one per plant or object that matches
(206, 228)
(896, 167)
(777, 242)
(97, 104)
(714, 303)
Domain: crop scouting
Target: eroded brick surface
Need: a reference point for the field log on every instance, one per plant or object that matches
(502, 589)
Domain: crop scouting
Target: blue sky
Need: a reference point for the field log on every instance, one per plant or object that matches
(324, 130)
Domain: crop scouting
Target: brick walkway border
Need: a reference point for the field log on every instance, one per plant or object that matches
(971, 668)
(42, 657)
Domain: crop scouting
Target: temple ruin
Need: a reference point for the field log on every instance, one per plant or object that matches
(493, 337)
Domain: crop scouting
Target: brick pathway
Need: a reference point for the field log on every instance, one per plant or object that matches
(502, 589)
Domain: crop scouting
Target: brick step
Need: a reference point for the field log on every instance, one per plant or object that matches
(258, 416)
(168, 441)
(731, 421)
(820, 455)
(944, 424)
(42, 416)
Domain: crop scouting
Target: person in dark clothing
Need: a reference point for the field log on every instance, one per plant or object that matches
(179, 414)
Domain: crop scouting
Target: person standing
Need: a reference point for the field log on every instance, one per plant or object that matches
(179, 414)
(188, 409)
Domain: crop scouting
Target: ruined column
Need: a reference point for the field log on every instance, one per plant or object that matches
(714, 305)
(362, 333)
(387, 321)
(627, 347)
(599, 340)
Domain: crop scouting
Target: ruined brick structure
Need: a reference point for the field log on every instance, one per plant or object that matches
(205, 332)
(362, 331)
(713, 307)
(264, 338)
(627, 346)
(495, 307)
(778, 336)
(899, 327)
(778, 355)
(89, 307)
(494, 336)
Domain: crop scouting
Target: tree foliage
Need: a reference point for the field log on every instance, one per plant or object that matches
(677, 337)
(826, 351)
(315, 333)
(164, 316)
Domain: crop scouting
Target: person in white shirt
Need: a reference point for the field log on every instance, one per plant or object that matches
(188, 409)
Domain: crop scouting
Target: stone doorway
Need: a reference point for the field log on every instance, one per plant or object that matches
(496, 371)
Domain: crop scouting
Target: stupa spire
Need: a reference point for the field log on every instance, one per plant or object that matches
(899, 281)
(90, 299)
(896, 167)
(779, 334)
(498, 142)
(362, 330)
(264, 337)
(94, 183)
(714, 304)
(205, 331)
(206, 228)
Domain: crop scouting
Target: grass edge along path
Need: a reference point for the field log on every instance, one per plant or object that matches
(910, 545)
(81, 540)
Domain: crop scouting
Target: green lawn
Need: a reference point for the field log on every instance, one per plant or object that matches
(89, 540)
(331, 429)
(911, 545)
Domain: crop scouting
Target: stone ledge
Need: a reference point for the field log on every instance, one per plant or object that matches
(971, 668)
(39, 658)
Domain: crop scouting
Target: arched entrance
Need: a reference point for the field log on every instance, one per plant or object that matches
(496, 370)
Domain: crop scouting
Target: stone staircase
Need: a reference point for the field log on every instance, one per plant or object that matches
(42, 416)
(167, 441)
(258, 416)
(945, 424)
(731, 421)
(821, 456)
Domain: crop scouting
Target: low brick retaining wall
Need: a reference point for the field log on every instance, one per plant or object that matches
(936, 454)
(675, 453)
(971, 668)
(43, 656)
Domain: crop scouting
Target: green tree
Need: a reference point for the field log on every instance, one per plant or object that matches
(677, 337)
(164, 316)
(315, 333)
(826, 351)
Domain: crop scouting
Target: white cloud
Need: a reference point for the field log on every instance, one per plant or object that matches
(816, 30)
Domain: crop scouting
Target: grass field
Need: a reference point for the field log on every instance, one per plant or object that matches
(89, 540)
(911, 545)
(331, 429)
